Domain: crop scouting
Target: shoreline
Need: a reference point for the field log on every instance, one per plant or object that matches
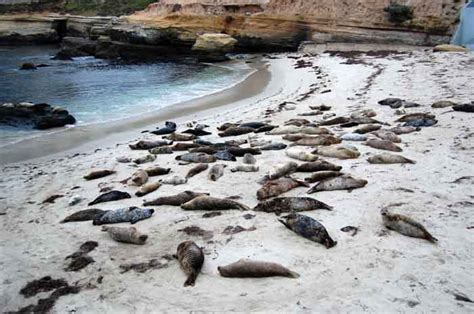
(76, 138)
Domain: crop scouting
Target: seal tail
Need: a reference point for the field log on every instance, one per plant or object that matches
(430, 238)
(293, 274)
(191, 280)
(242, 206)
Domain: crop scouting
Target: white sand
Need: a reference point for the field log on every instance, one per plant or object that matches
(375, 271)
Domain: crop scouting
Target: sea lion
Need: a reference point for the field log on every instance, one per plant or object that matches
(197, 158)
(174, 180)
(308, 228)
(138, 178)
(191, 259)
(161, 150)
(180, 137)
(415, 116)
(98, 174)
(339, 152)
(300, 154)
(383, 144)
(366, 128)
(443, 104)
(404, 129)
(344, 182)
(333, 121)
(319, 165)
(246, 268)
(318, 140)
(184, 146)
(421, 123)
(387, 135)
(234, 131)
(109, 197)
(387, 158)
(170, 127)
(147, 188)
(125, 235)
(280, 205)
(249, 159)
(279, 186)
(128, 214)
(212, 203)
(174, 200)
(216, 172)
(225, 155)
(353, 137)
(144, 159)
(84, 215)
(143, 145)
(245, 168)
(240, 152)
(406, 226)
(282, 170)
(273, 146)
(157, 171)
(196, 170)
(297, 122)
(322, 175)
(204, 149)
(320, 107)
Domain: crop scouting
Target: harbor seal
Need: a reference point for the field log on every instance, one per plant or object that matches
(126, 235)
(404, 129)
(84, 215)
(174, 180)
(196, 170)
(416, 116)
(421, 123)
(308, 228)
(128, 214)
(225, 155)
(339, 152)
(387, 158)
(145, 145)
(97, 174)
(322, 175)
(383, 144)
(279, 186)
(144, 159)
(246, 268)
(406, 226)
(169, 127)
(180, 137)
(387, 135)
(287, 129)
(273, 146)
(280, 205)
(161, 150)
(178, 147)
(249, 159)
(157, 171)
(300, 154)
(353, 137)
(318, 140)
(312, 130)
(147, 188)
(234, 131)
(216, 172)
(366, 128)
(319, 165)
(333, 121)
(174, 200)
(282, 170)
(138, 178)
(204, 149)
(212, 203)
(191, 259)
(343, 182)
(240, 152)
(113, 195)
(197, 158)
(245, 168)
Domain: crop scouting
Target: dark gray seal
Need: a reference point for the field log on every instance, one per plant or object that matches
(308, 228)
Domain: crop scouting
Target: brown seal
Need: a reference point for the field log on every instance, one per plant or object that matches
(148, 188)
(213, 203)
(196, 170)
(280, 205)
(406, 226)
(383, 144)
(174, 200)
(246, 268)
(98, 174)
(191, 259)
(279, 186)
(344, 182)
(125, 235)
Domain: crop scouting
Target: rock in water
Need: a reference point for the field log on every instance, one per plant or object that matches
(110, 196)
(125, 235)
(344, 182)
(191, 259)
(127, 214)
(280, 205)
(308, 228)
(406, 226)
(246, 268)
(387, 158)
(212, 203)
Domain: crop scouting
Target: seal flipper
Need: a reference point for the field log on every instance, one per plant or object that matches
(285, 223)
(293, 274)
(430, 238)
(191, 279)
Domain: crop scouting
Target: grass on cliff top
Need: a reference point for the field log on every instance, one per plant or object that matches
(108, 7)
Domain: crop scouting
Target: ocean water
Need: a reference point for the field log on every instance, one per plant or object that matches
(98, 91)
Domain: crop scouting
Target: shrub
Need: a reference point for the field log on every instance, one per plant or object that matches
(399, 13)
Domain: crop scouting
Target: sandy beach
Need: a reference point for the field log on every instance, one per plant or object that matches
(374, 271)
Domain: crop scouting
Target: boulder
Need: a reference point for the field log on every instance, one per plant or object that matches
(38, 116)
(449, 48)
(76, 47)
(28, 66)
(214, 43)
